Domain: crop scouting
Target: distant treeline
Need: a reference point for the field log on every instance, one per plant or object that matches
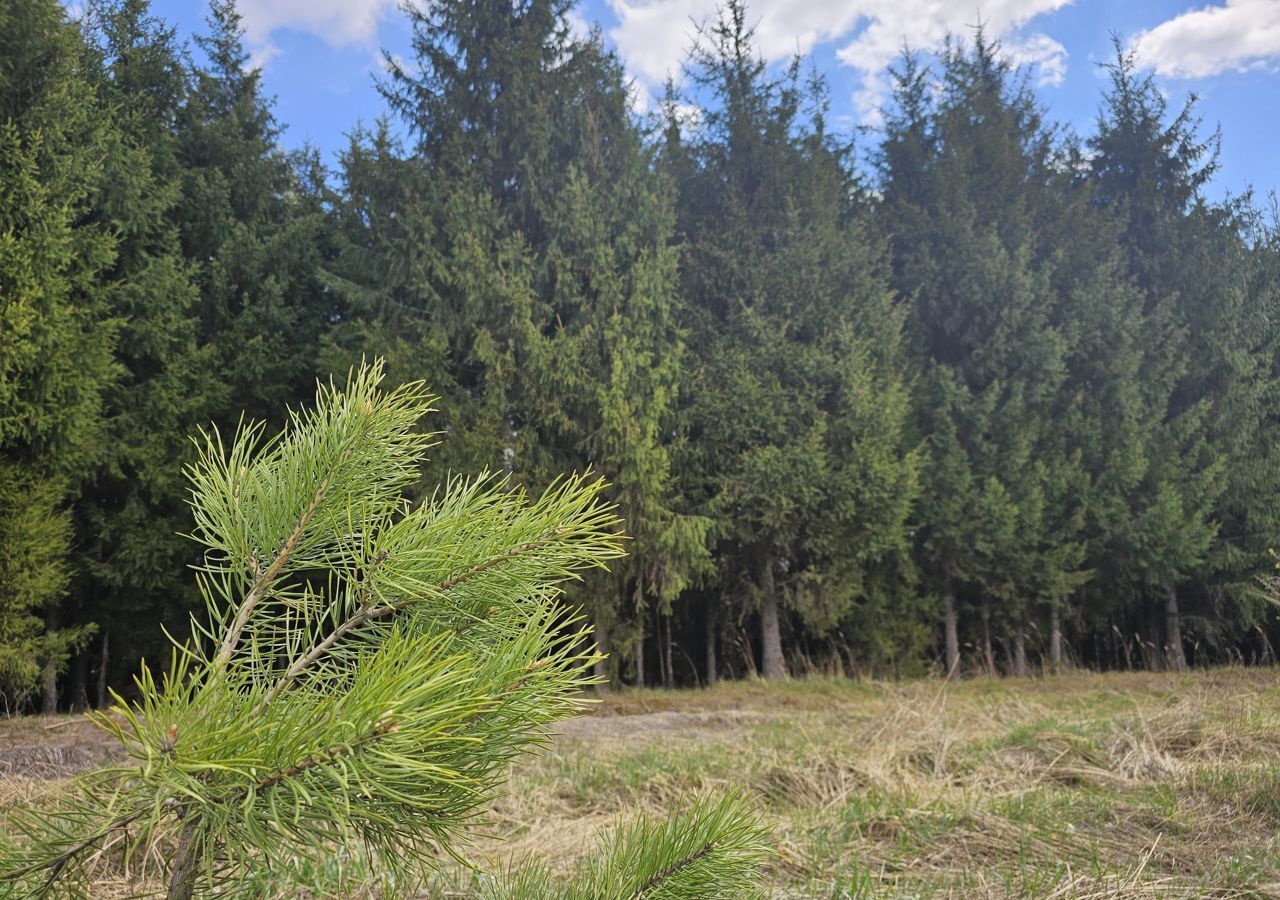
(1000, 397)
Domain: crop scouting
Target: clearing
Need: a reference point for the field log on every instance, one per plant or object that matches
(1075, 786)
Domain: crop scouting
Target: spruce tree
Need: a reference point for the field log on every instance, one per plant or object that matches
(1150, 172)
(796, 401)
(1112, 343)
(56, 329)
(130, 512)
(970, 177)
(423, 272)
(529, 129)
(252, 225)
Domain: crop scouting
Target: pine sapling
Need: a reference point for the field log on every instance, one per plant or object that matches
(365, 671)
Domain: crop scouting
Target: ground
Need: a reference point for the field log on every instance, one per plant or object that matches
(1075, 786)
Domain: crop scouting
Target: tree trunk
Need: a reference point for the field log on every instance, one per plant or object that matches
(953, 637)
(49, 674)
(103, 661)
(711, 624)
(1151, 645)
(748, 654)
(988, 653)
(668, 668)
(1055, 639)
(1174, 656)
(79, 686)
(770, 628)
(639, 660)
(1020, 651)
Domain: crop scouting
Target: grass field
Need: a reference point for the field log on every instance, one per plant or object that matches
(1082, 785)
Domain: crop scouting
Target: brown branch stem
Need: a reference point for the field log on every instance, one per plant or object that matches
(278, 562)
(384, 726)
(666, 872)
(367, 614)
(60, 861)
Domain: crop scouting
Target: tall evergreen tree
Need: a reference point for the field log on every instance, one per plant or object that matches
(514, 118)
(253, 226)
(132, 510)
(970, 175)
(1186, 258)
(56, 334)
(796, 397)
(424, 273)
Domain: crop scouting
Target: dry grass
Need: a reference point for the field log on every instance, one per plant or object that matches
(1080, 786)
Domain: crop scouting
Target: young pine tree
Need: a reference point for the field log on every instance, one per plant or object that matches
(366, 671)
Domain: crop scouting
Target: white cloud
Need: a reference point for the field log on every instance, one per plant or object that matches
(654, 35)
(338, 22)
(1044, 53)
(262, 53)
(1241, 35)
(579, 27)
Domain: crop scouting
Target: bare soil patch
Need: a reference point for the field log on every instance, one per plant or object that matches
(53, 747)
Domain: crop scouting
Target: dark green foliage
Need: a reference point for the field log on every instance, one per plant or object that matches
(1194, 527)
(532, 170)
(57, 331)
(1014, 380)
(130, 512)
(253, 228)
(971, 180)
(34, 532)
(796, 396)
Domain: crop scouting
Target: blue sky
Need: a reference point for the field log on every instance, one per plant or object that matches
(320, 57)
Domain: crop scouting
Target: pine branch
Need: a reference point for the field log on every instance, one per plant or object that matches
(369, 614)
(259, 590)
(710, 848)
(492, 561)
(385, 726)
(59, 862)
(658, 877)
(281, 559)
(186, 858)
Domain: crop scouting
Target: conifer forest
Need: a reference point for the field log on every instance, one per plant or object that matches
(966, 393)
